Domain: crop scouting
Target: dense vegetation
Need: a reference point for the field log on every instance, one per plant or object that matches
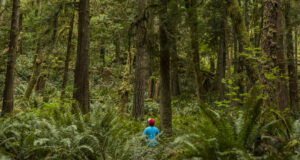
(81, 77)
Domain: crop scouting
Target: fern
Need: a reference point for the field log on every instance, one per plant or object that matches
(251, 117)
(225, 136)
(53, 132)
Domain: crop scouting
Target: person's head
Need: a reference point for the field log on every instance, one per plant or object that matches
(151, 122)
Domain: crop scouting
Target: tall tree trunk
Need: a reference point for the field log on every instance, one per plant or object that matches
(269, 49)
(8, 95)
(139, 82)
(147, 70)
(21, 36)
(293, 85)
(175, 19)
(193, 24)
(273, 51)
(165, 95)
(174, 75)
(81, 77)
(152, 49)
(283, 93)
(221, 66)
(67, 60)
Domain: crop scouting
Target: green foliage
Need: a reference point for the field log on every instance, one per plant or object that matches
(52, 132)
(201, 131)
(238, 127)
(249, 133)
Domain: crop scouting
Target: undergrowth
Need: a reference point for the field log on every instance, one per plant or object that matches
(200, 131)
(52, 132)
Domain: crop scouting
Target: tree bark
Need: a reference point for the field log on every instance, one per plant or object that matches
(174, 75)
(8, 95)
(269, 49)
(67, 60)
(175, 19)
(165, 95)
(81, 77)
(152, 49)
(272, 47)
(147, 70)
(221, 66)
(140, 67)
(293, 85)
(193, 25)
(21, 36)
(283, 93)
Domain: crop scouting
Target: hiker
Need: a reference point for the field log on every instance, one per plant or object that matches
(151, 133)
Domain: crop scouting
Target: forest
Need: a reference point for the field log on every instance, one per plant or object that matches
(149, 80)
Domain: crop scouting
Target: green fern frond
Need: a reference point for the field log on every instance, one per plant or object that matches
(251, 116)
